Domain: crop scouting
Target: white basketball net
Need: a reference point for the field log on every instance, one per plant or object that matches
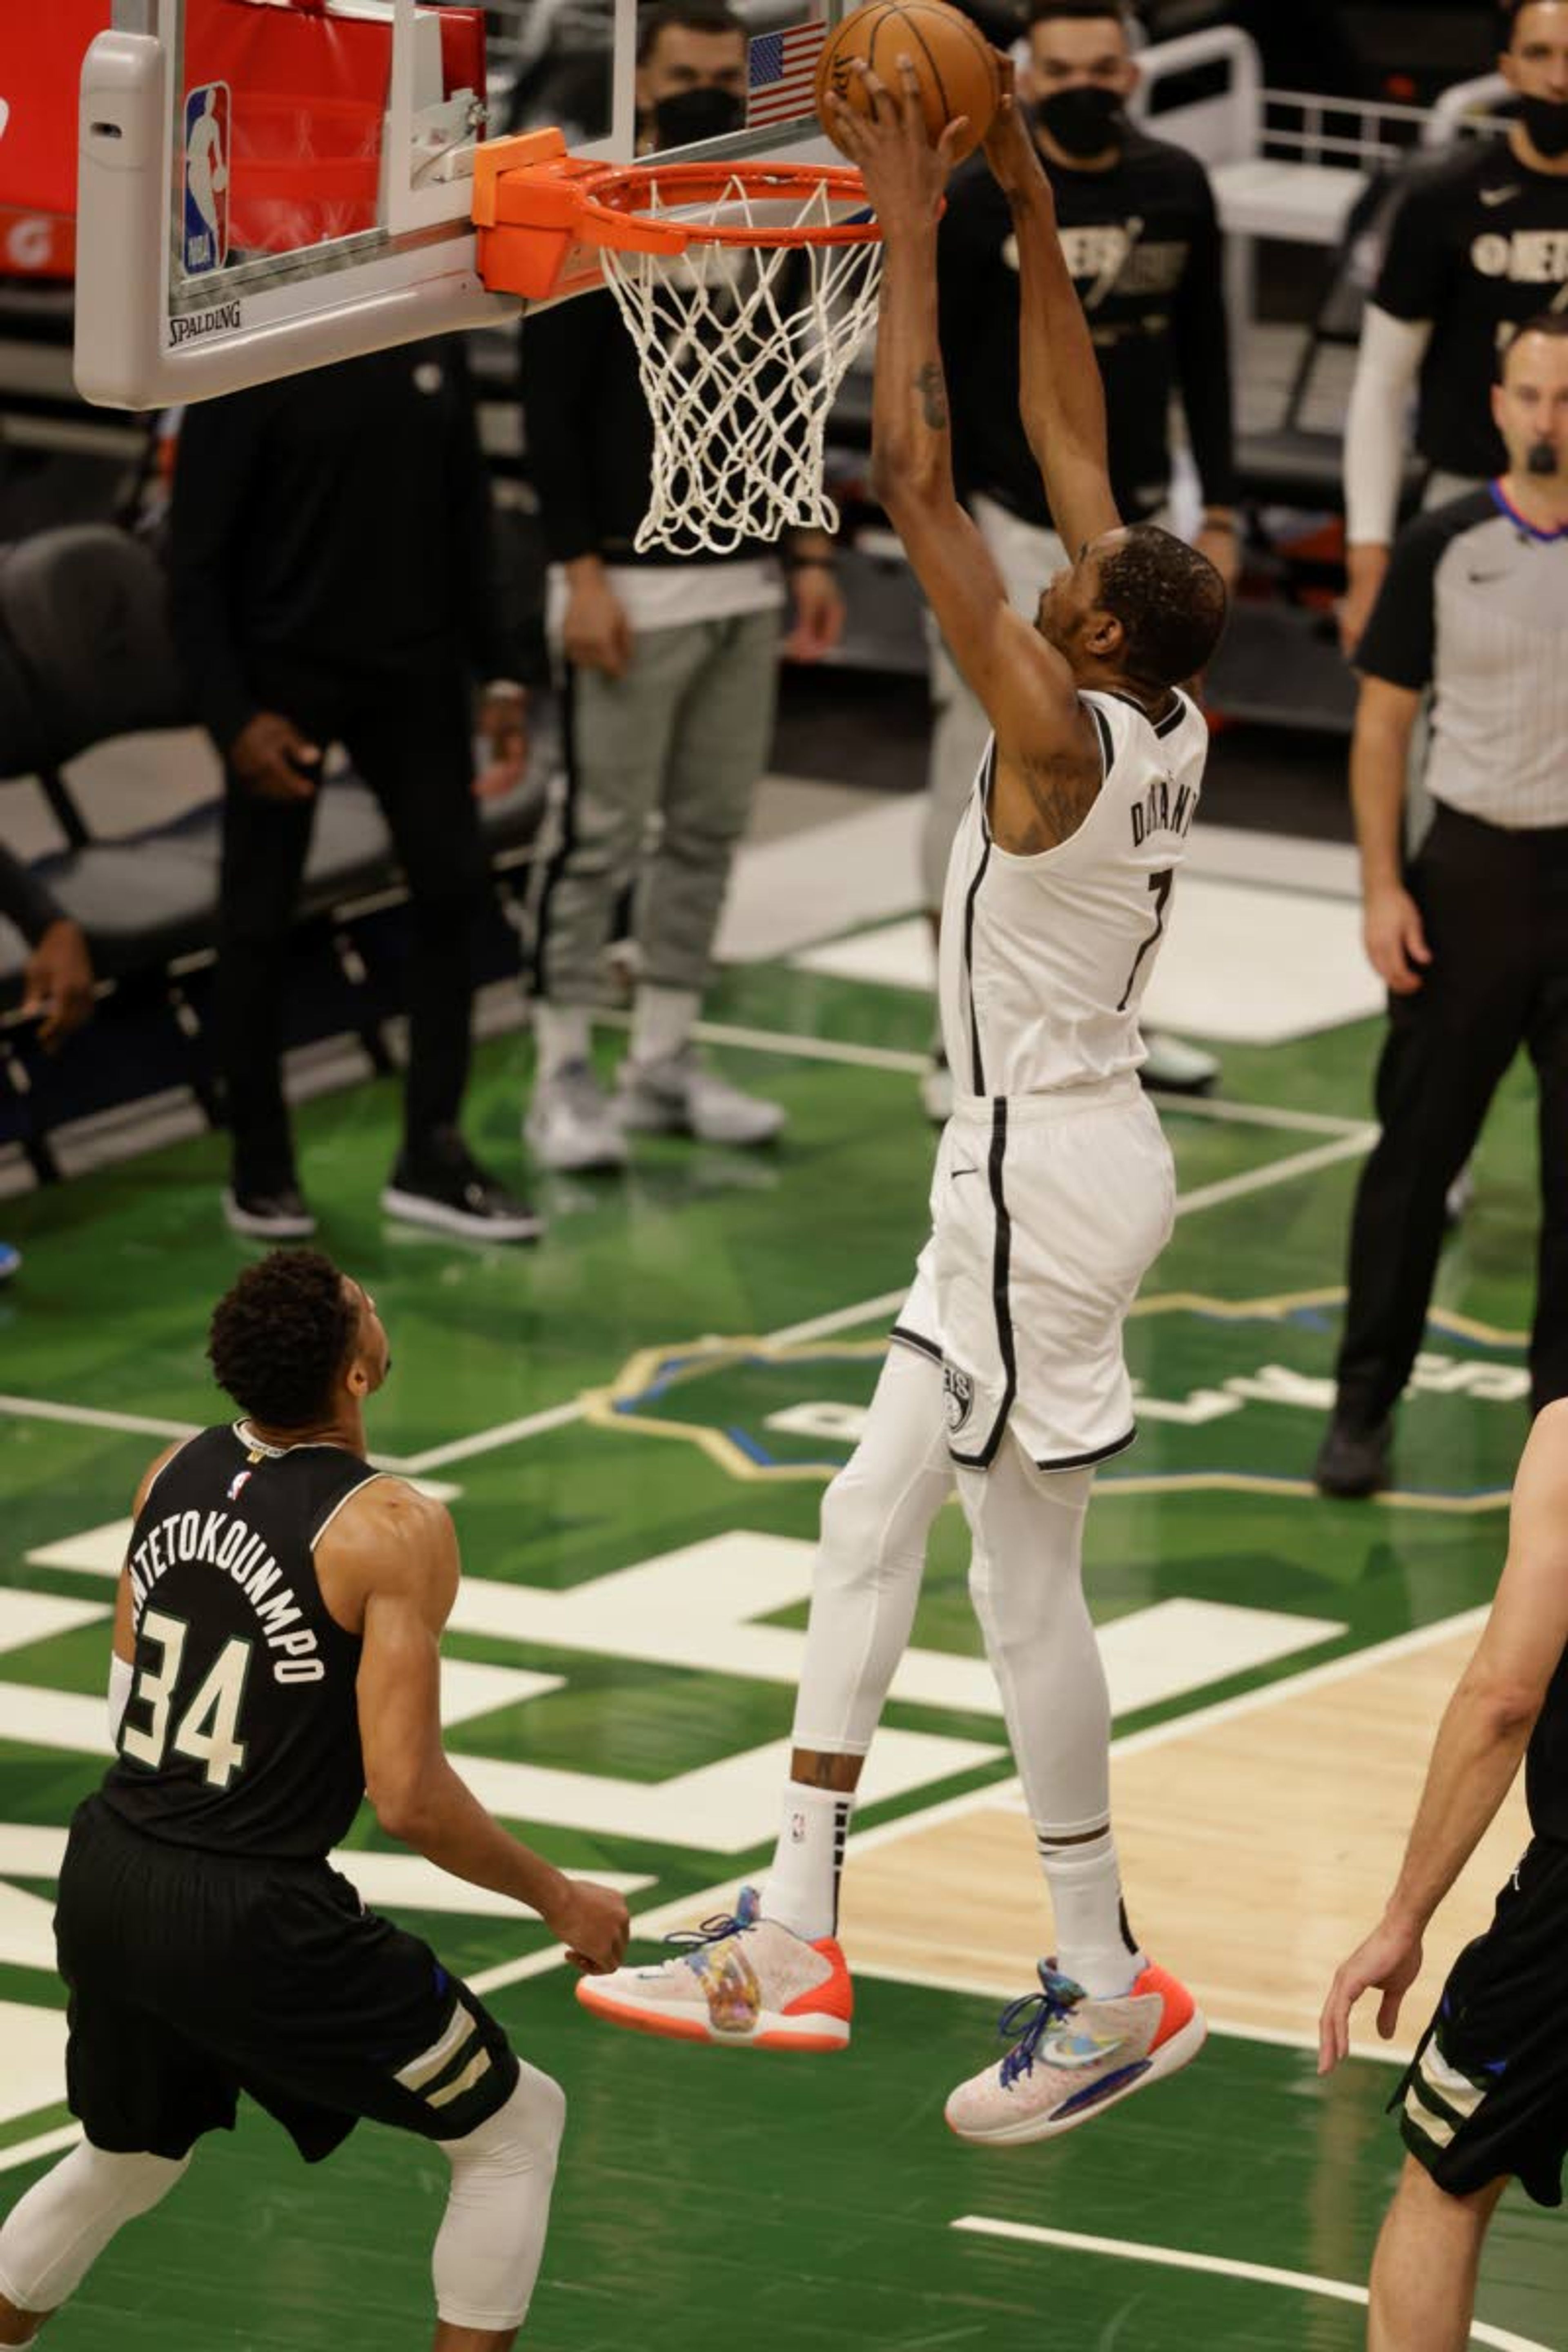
(742, 350)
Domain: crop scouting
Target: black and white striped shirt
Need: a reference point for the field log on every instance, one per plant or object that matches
(1475, 606)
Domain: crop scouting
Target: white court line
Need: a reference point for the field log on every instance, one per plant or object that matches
(49, 2143)
(486, 1440)
(91, 1416)
(810, 1049)
(1354, 1145)
(140, 1424)
(1174, 2258)
(1307, 1122)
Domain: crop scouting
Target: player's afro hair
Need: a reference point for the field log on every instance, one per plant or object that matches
(1171, 603)
(281, 1336)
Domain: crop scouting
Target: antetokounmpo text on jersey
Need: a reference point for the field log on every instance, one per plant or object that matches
(225, 1541)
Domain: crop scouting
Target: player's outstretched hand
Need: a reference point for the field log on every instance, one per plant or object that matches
(593, 1924)
(1389, 1961)
(1010, 150)
(905, 174)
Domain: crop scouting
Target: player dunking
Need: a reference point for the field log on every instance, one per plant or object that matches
(275, 1658)
(1053, 1193)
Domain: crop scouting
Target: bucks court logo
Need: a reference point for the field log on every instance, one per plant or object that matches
(958, 1392)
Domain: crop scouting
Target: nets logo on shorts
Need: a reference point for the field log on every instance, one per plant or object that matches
(958, 1391)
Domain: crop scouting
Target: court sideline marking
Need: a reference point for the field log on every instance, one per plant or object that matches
(1174, 2258)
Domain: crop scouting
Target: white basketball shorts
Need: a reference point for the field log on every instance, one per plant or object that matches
(1047, 1212)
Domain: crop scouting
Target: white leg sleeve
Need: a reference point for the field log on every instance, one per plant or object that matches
(489, 2246)
(875, 1520)
(53, 2236)
(1026, 1578)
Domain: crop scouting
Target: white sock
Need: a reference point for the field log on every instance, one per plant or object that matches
(1095, 1946)
(802, 1889)
(662, 1022)
(562, 1034)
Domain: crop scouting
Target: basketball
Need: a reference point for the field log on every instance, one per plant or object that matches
(955, 63)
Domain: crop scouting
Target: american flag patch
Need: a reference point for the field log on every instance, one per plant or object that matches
(780, 70)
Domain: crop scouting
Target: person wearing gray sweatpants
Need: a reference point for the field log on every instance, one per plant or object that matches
(670, 671)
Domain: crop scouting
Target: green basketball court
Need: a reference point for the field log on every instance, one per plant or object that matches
(633, 1423)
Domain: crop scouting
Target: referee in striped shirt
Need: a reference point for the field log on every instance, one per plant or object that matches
(1473, 941)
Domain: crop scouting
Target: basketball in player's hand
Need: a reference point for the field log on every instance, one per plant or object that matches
(957, 68)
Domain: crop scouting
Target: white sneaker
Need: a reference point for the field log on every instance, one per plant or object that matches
(745, 1982)
(680, 1096)
(1177, 1067)
(572, 1123)
(1074, 2055)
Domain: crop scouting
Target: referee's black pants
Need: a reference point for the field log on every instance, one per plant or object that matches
(1495, 908)
(408, 734)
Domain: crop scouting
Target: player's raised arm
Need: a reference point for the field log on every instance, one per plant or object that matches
(1061, 396)
(1026, 685)
(397, 1550)
(1485, 1730)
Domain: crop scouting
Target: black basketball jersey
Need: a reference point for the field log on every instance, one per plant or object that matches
(1478, 244)
(1546, 1763)
(242, 1732)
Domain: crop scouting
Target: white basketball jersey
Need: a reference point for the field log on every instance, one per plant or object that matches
(1045, 960)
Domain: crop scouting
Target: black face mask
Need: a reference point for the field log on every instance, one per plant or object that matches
(1545, 123)
(705, 113)
(1082, 121)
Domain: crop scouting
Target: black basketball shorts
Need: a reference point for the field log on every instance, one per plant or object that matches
(1488, 2093)
(195, 1976)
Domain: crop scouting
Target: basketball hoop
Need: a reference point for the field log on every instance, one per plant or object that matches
(747, 290)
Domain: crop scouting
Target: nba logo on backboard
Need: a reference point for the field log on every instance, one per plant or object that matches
(204, 241)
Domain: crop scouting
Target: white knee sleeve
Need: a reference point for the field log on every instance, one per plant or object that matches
(53, 2236)
(487, 2252)
(876, 1518)
(1025, 1580)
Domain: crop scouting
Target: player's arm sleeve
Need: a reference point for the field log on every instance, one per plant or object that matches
(26, 900)
(563, 419)
(1400, 640)
(215, 469)
(1200, 330)
(1377, 428)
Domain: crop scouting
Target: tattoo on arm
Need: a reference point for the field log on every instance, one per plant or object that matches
(1061, 798)
(933, 395)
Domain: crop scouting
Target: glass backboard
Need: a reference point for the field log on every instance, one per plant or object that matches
(268, 185)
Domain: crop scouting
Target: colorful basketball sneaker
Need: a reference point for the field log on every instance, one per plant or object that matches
(1073, 2055)
(745, 1982)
